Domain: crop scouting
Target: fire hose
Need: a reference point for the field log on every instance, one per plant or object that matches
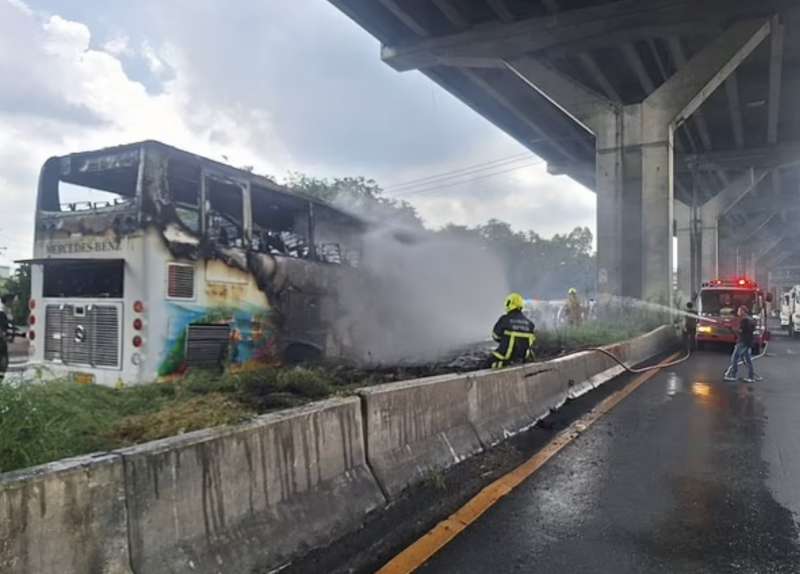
(683, 359)
(640, 370)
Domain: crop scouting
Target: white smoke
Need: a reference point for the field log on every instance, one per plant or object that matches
(424, 296)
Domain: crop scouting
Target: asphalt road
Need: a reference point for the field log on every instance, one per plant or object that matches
(688, 474)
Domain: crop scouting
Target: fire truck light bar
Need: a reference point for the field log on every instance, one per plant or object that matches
(740, 282)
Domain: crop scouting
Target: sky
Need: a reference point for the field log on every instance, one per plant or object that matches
(279, 86)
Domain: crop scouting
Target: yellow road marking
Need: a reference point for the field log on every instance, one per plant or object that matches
(434, 540)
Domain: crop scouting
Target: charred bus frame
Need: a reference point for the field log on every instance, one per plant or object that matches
(191, 263)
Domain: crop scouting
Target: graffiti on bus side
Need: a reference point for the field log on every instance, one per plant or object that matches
(252, 334)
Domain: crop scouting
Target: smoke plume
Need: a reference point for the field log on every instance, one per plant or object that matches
(423, 295)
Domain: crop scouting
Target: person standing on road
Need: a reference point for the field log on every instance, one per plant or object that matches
(514, 334)
(690, 328)
(4, 330)
(743, 349)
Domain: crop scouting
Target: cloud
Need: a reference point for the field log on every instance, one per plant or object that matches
(277, 85)
(118, 46)
(153, 61)
(67, 96)
(526, 198)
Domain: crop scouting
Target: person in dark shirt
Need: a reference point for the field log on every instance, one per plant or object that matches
(514, 334)
(690, 328)
(5, 327)
(743, 349)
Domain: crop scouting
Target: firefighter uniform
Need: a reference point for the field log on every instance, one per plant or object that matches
(514, 333)
(574, 309)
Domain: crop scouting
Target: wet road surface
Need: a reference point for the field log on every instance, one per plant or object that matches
(688, 474)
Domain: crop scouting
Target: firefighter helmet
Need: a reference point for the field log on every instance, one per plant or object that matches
(514, 301)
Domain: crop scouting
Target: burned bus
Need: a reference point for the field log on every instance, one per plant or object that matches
(184, 262)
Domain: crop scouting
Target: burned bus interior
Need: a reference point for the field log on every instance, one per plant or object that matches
(205, 199)
(114, 177)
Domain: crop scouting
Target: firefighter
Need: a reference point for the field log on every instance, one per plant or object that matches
(574, 309)
(514, 334)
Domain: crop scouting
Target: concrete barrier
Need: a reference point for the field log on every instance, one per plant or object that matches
(64, 517)
(589, 370)
(255, 495)
(231, 500)
(416, 427)
(503, 403)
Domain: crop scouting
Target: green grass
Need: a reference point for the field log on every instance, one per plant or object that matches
(590, 335)
(42, 422)
(46, 421)
(613, 325)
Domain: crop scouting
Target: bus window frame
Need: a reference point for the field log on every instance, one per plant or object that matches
(224, 178)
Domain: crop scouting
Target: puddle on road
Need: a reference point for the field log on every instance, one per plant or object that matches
(701, 389)
(674, 384)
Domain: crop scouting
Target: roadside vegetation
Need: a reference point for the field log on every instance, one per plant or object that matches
(46, 421)
(613, 324)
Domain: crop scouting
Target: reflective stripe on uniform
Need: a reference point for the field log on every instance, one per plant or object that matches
(513, 336)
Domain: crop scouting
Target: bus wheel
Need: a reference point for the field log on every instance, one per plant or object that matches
(297, 353)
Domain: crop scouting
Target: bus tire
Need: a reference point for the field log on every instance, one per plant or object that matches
(298, 353)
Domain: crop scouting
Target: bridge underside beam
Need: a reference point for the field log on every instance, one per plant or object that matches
(781, 155)
(634, 158)
(566, 33)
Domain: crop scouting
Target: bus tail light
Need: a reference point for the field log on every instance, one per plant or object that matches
(31, 334)
(31, 320)
(137, 324)
(138, 306)
(32, 304)
(137, 341)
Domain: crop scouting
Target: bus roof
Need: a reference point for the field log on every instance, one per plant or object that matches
(124, 151)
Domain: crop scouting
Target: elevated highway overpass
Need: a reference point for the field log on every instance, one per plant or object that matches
(680, 114)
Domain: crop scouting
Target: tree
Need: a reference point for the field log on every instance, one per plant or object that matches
(359, 195)
(536, 267)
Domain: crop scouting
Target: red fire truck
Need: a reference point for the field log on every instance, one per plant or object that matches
(718, 303)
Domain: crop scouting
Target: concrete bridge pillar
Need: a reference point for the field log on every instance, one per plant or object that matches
(710, 215)
(634, 167)
(749, 240)
(683, 231)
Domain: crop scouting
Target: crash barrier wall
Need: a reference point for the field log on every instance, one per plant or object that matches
(252, 496)
(219, 500)
(416, 428)
(66, 516)
(233, 500)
